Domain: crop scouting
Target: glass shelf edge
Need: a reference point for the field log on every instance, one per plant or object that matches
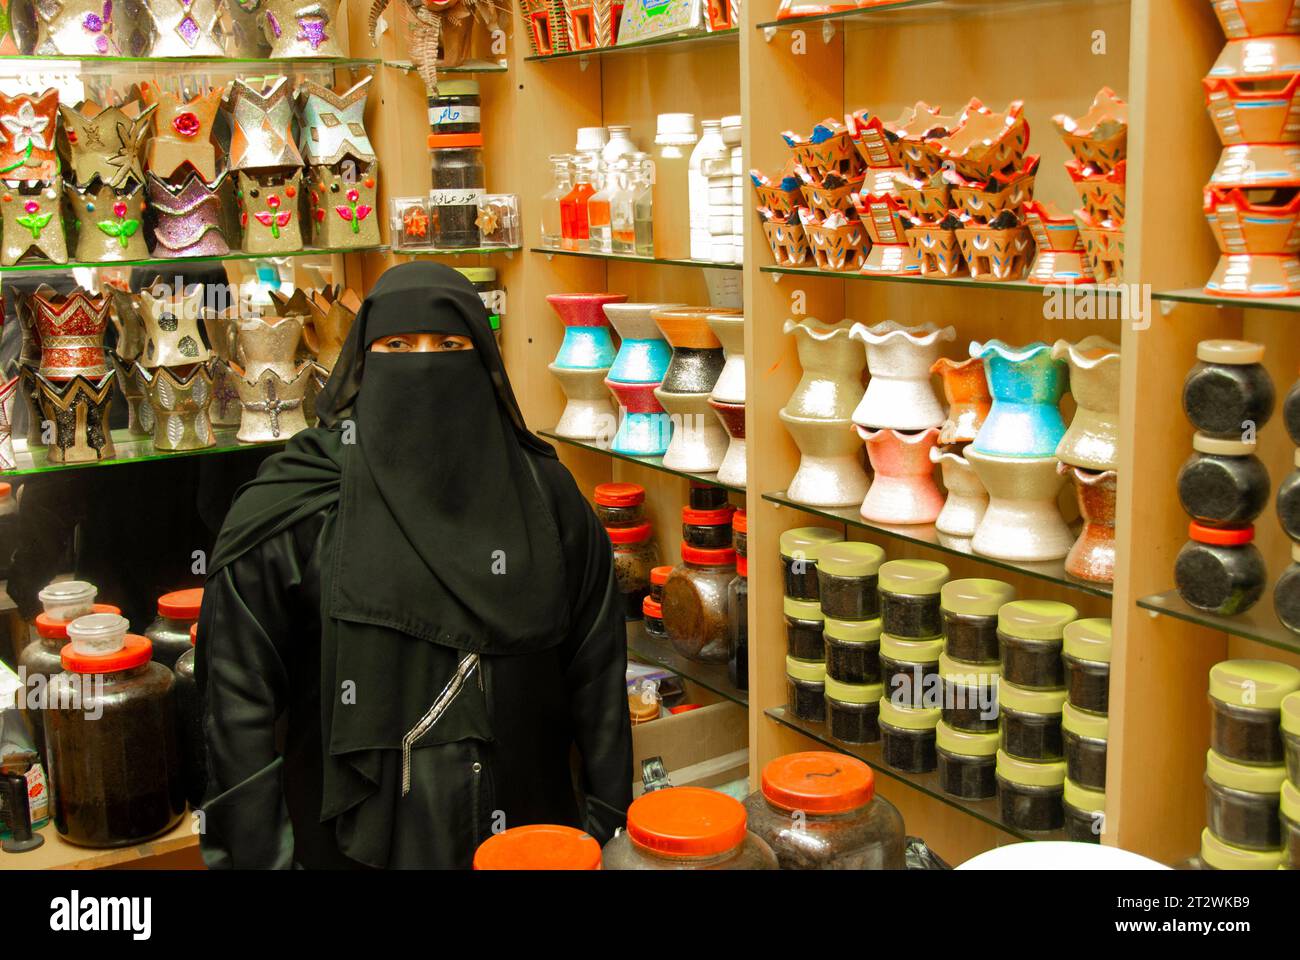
(717, 36)
(1196, 295)
(1016, 286)
(624, 258)
(711, 676)
(171, 261)
(1272, 633)
(123, 441)
(651, 463)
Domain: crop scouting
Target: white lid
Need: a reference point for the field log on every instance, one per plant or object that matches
(590, 138)
(1217, 447)
(68, 591)
(618, 129)
(711, 124)
(98, 634)
(676, 129)
(1231, 352)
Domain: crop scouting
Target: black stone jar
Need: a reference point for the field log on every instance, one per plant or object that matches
(1220, 570)
(1223, 483)
(1228, 387)
(1288, 502)
(1291, 413)
(1286, 596)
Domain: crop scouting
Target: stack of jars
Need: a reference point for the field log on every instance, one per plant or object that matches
(1286, 597)
(847, 580)
(1252, 768)
(1085, 727)
(603, 196)
(696, 593)
(910, 647)
(620, 508)
(805, 662)
(652, 607)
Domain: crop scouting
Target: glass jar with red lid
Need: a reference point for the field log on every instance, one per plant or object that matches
(189, 713)
(658, 577)
(1220, 570)
(635, 555)
(652, 612)
(539, 846)
(170, 633)
(819, 811)
(738, 609)
(687, 828)
(695, 604)
(620, 504)
(707, 529)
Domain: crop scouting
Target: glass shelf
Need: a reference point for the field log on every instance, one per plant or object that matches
(1258, 623)
(902, 12)
(130, 67)
(928, 536)
(469, 66)
(872, 754)
(629, 258)
(1198, 295)
(174, 261)
(654, 463)
(129, 448)
(692, 40)
(710, 676)
(1016, 286)
(453, 251)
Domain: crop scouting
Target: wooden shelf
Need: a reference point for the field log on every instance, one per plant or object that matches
(1259, 623)
(177, 848)
(896, 13)
(711, 676)
(650, 463)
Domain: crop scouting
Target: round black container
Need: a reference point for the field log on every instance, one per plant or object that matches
(1085, 652)
(800, 548)
(1220, 571)
(1084, 737)
(1031, 723)
(908, 736)
(1085, 812)
(853, 712)
(806, 689)
(969, 695)
(1291, 735)
(1030, 794)
(852, 650)
(1031, 635)
(909, 598)
(1291, 825)
(909, 669)
(967, 762)
(1227, 388)
(1286, 595)
(804, 630)
(1246, 706)
(705, 496)
(1288, 502)
(1242, 803)
(1223, 483)
(1291, 413)
(707, 529)
(970, 617)
(847, 580)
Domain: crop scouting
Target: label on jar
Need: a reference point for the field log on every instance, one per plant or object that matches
(458, 197)
(454, 114)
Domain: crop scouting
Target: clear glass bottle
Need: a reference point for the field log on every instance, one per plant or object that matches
(553, 231)
(599, 207)
(574, 204)
(632, 215)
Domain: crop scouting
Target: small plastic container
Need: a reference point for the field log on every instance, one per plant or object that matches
(652, 615)
(804, 626)
(1228, 386)
(908, 736)
(455, 107)
(1217, 855)
(1242, 803)
(1085, 812)
(170, 632)
(456, 172)
(658, 577)
(1223, 483)
(1031, 723)
(847, 580)
(1290, 825)
(740, 533)
(909, 598)
(970, 618)
(1031, 636)
(67, 600)
(969, 695)
(635, 555)
(1220, 570)
(687, 828)
(1291, 735)
(805, 682)
(189, 713)
(1084, 737)
(695, 604)
(853, 711)
(852, 650)
(706, 496)
(539, 846)
(909, 669)
(1246, 701)
(967, 762)
(819, 811)
(620, 504)
(1085, 652)
(1030, 794)
(707, 529)
(800, 548)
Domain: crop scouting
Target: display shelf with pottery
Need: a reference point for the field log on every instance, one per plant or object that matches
(966, 390)
(899, 395)
(966, 499)
(1023, 522)
(1026, 384)
(1093, 555)
(903, 490)
(1092, 439)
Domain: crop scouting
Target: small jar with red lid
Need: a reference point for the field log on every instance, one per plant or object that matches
(707, 529)
(738, 610)
(695, 604)
(652, 613)
(687, 828)
(1220, 570)
(539, 846)
(658, 577)
(819, 811)
(189, 714)
(170, 633)
(705, 496)
(620, 504)
(110, 727)
(635, 555)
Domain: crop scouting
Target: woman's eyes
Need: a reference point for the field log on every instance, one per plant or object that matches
(398, 344)
(451, 345)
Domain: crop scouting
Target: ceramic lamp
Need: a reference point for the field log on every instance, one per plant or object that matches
(899, 395)
(70, 330)
(33, 223)
(643, 353)
(967, 499)
(109, 223)
(1023, 523)
(967, 391)
(1026, 384)
(732, 416)
(1092, 440)
(1059, 255)
(269, 343)
(297, 29)
(729, 328)
(1257, 18)
(588, 413)
(272, 406)
(587, 344)
(830, 472)
(831, 385)
(79, 409)
(645, 429)
(8, 398)
(699, 443)
(1258, 242)
(139, 418)
(903, 490)
(179, 406)
(698, 357)
(1092, 557)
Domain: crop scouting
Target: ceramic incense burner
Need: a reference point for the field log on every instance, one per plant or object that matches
(268, 211)
(1092, 440)
(1103, 196)
(967, 391)
(79, 409)
(1257, 235)
(699, 442)
(903, 490)
(139, 416)
(109, 223)
(643, 353)
(698, 358)
(781, 196)
(899, 395)
(732, 416)
(1023, 523)
(1099, 138)
(788, 241)
(1059, 256)
(828, 149)
(985, 143)
(1092, 557)
(182, 132)
(729, 328)
(71, 333)
(187, 217)
(1257, 18)
(272, 407)
(302, 28)
(171, 327)
(830, 472)
(33, 222)
(967, 499)
(985, 202)
(588, 413)
(8, 397)
(831, 385)
(104, 144)
(29, 122)
(179, 406)
(587, 344)
(1027, 384)
(838, 248)
(996, 254)
(645, 429)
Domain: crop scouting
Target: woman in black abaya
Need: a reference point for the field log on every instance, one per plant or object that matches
(411, 616)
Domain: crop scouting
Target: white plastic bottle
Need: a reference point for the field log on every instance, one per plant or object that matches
(710, 147)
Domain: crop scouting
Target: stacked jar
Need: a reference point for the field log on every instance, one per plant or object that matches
(1031, 698)
(848, 583)
(970, 669)
(1286, 596)
(687, 828)
(620, 507)
(652, 608)
(1290, 722)
(738, 606)
(1248, 795)
(805, 662)
(911, 642)
(170, 632)
(1085, 726)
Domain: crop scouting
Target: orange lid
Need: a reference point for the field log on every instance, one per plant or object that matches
(1221, 537)
(818, 782)
(135, 651)
(742, 566)
(708, 518)
(619, 494)
(441, 141)
(58, 629)
(194, 633)
(181, 604)
(722, 557)
(739, 522)
(684, 708)
(629, 534)
(651, 607)
(659, 575)
(5, 490)
(539, 846)
(686, 821)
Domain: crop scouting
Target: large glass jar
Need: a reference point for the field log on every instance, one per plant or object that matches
(687, 828)
(456, 161)
(455, 107)
(695, 604)
(170, 633)
(635, 554)
(115, 770)
(819, 811)
(189, 715)
(538, 846)
(1220, 570)
(1228, 388)
(552, 214)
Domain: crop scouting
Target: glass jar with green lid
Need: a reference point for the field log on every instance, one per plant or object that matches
(970, 617)
(1242, 802)
(852, 650)
(1084, 737)
(1217, 855)
(1246, 699)
(967, 762)
(909, 669)
(800, 549)
(1031, 722)
(1290, 735)
(1085, 812)
(968, 695)
(909, 598)
(490, 292)
(803, 629)
(907, 736)
(1291, 825)
(847, 579)
(1085, 652)
(806, 689)
(853, 711)
(1030, 635)
(1030, 794)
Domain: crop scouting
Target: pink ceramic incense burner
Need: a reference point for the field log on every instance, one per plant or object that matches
(903, 491)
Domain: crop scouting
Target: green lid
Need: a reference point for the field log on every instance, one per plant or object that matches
(976, 597)
(908, 718)
(1035, 619)
(1242, 776)
(853, 631)
(1088, 640)
(1258, 684)
(1030, 774)
(1081, 798)
(854, 692)
(911, 651)
(1090, 726)
(964, 743)
(1290, 713)
(851, 558)
(913, 578)
(812, 670)
(1022, 700)
(969, 674)
(494, 320)
(802, 609)
(478, 274)
(805, 543)
(1224, 856)
(1291, 802)
(456, 88)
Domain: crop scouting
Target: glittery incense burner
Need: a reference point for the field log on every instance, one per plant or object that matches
(269, 211)
(273, 408)
(104, 143)
(179, 404)
(903, 490)
(108, 223)
(8, 396)
(298, 29)
(638, 368)
(78, 408)
(188, 220)
(182, 28)
(71, 329)
(1027, 384)
(28, 123)
(582, 364)
(699, 442)
(342, 165)
(33, 222)
(172, 337)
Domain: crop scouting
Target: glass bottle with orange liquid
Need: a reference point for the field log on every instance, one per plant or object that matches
(573, 207)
